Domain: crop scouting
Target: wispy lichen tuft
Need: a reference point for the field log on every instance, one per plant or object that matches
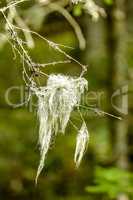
(81, 145)
(56, 101)
(94, 10)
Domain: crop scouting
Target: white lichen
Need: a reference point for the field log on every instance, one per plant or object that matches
(91, 8)
(56, 101)
(81, 145)
(76, 1)
(94, 10)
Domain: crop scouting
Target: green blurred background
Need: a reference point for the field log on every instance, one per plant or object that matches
(106, 171)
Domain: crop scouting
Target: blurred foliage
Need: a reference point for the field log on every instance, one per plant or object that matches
(77, 10)
(109, 182)
(108, 2)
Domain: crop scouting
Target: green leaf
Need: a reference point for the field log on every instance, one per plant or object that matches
(108, 2)
(77, 10)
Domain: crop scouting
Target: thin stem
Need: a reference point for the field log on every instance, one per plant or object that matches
(97, 110)
(56, 47)
(51, 63)
(76, 128)
(11, 4)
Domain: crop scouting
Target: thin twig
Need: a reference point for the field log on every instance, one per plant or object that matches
(56, 47)
(14, 3)
(97, 110)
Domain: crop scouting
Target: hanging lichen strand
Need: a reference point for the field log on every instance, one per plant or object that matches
(56, 101)
(81, 144)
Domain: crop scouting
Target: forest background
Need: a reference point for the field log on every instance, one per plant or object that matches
(107, 168)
